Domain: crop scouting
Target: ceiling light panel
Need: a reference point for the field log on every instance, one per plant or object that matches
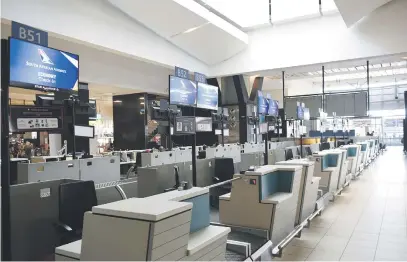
(286, 10)
(245, 13)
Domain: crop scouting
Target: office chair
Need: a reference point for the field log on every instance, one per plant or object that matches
(308, 151)
(325, 146)
(75, 198)
(289, 154)
(224, 170)
(341, 143)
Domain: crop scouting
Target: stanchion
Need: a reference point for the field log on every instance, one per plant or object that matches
(5, 154)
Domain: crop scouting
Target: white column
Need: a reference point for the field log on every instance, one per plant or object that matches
(55, 144)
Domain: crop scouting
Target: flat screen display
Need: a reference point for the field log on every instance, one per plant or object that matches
(182, 91)
(272, 107)
(306, 113)
(261, 103)
(207, 96)
(300, 113)
(37, 67)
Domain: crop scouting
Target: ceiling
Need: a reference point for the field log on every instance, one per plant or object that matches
(352, 11)
(188, 25)
(344, 76)
(249, 14)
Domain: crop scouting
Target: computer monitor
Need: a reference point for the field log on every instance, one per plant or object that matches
(182, 91)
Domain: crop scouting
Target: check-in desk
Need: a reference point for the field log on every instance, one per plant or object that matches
(99, 170)
(327, 167)
(364, 153)
(372, 149)
(265, 199)
(167, 227)
(344, 176)
(37, 172)
(353, 156)
(308, 188)
(43, 159)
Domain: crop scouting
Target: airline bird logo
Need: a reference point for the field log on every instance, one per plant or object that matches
(44, 57)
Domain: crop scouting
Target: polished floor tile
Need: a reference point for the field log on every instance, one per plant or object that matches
(367, 222)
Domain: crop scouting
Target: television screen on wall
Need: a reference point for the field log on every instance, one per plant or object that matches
(182, 91)
(207, 96)
(38, 67)
(261, 103)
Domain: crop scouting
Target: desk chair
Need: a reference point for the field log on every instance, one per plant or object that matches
(224, 170)
(289, 154)
(308, 151)
(340, 143)
(75, 198)
(325, 146)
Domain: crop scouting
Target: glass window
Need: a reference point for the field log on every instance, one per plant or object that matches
(328, 6)
(245, 13)
(286, 10)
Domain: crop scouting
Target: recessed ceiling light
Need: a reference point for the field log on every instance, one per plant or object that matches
(404, 58)
(117, 101)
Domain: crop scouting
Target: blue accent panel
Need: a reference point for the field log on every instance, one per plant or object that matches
(364, 146)
(268, 185)
(333, 160)
(200, 217)
(351, 152)
(316, 133)
(285, 181)
(280, 181)
(324, 162)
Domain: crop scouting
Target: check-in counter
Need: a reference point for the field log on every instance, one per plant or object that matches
(44, 171)
(308, 188)
(266, 198)
(43, 159)
(100, 169)
(167, 227)
(327, 167)
(344, 176)
(364, 153)
(353, 156)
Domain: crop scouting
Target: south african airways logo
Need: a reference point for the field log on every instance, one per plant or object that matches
(44, 57)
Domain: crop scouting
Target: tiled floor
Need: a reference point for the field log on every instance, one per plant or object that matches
(367, 222)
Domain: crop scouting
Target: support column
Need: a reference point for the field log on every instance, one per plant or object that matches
(55, 144)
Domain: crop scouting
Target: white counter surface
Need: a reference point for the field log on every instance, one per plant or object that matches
(70, 250)
(180, 195)
(153, 209)
(302, 161)
(204, 237)
(277, 198)
(264, 170)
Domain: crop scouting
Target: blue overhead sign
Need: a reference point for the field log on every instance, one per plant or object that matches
(37, 67)
(200, 78)
(29, 34)
(181, 72)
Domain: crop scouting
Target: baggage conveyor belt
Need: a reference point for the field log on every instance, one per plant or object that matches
(251, 238)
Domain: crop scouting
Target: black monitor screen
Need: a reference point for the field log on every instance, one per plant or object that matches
(300, 113)
(37, 67)
(261, 103)
(272, 107)
(182, 91)
(92, 109)
(207, 96)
